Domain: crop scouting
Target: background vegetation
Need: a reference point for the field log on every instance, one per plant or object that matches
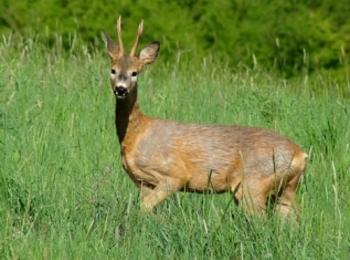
(290, 36)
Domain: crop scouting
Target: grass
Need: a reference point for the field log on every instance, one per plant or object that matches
(64, 195)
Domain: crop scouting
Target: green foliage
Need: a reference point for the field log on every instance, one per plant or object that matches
(64, 194)
(292, 36)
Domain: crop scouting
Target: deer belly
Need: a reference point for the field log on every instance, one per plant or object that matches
(197, 173)
(209, 181)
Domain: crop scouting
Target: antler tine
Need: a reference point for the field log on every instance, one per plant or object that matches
(136, 43)
(119, 33)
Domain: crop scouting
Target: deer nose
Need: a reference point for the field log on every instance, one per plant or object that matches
(120, 91)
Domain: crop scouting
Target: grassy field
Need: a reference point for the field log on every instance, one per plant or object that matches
(64, 195)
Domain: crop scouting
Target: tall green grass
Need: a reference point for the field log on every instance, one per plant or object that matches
(64, 195)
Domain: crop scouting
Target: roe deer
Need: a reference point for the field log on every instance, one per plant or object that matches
(163, 156)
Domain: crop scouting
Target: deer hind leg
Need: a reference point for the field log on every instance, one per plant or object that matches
(286, 203)
(286, 206)
(252, 196)
(164, 189)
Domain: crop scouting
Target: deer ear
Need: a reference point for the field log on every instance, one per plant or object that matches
(112, 48)
(149, 53)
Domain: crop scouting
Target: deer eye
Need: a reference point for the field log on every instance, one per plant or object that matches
(134, 74)
(113, 71)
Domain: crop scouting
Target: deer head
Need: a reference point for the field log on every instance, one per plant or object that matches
(126, 67)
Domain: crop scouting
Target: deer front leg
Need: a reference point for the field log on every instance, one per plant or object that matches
(165, 188)
(144, 191)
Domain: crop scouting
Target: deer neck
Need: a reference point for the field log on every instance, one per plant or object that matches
(128, 117)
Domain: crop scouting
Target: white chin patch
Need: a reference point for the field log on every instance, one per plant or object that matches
(121, 97)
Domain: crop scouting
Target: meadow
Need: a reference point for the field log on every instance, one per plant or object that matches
(64, 194)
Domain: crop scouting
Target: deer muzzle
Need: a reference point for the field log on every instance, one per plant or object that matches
(121, 91)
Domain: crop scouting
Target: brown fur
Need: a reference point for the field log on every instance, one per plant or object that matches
(163, 156)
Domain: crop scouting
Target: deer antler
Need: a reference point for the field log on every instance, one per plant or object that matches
(119, 33)
(136, 43)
